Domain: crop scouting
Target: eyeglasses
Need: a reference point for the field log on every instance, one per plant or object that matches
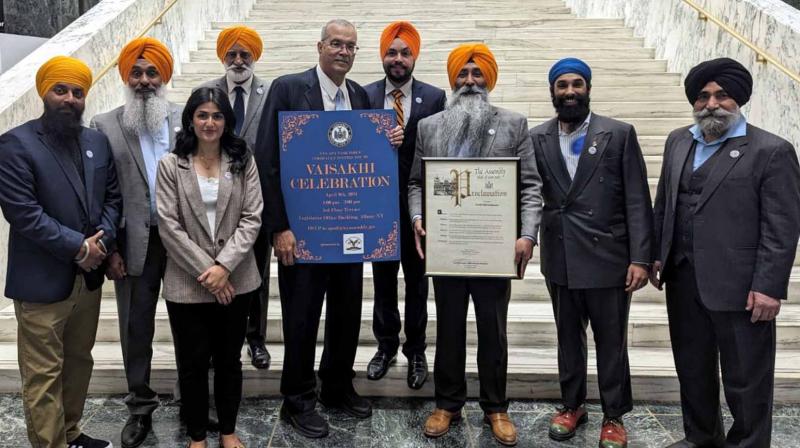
(339, 46)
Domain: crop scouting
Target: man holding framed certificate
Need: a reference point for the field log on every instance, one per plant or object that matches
(468, 130)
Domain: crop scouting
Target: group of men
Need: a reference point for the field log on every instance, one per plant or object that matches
(722, 239)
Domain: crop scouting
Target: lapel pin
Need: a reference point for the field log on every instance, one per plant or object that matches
(491, 131)
(177, 129)
(228, 175)
(418, 100)
(260, 91)
(89, 154)
(592, 150)
(735, 153)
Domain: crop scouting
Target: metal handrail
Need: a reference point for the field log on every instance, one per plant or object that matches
(147, 28)
(761, 55)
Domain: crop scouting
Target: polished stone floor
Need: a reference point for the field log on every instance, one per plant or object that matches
(395, 423)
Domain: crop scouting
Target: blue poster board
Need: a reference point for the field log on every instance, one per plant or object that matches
(340, 185)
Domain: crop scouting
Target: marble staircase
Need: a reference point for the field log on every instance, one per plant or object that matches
(527, 37)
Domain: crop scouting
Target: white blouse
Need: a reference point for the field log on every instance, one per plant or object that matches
(209, 189)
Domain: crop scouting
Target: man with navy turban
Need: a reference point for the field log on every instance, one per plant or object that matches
(596, 245)
(727, 220)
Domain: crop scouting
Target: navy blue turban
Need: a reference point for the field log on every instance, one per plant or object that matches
(729, 74)
(570, 65)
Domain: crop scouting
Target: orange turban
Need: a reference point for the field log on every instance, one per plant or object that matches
(63, 69)
(477, 53)
(149, 49)
(245, 36)
(404, 31)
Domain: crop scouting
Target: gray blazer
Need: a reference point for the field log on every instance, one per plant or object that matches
(184, 229)
(255, 105)
(134, 231)
(509, 139)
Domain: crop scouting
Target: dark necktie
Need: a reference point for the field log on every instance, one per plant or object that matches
(238, 108)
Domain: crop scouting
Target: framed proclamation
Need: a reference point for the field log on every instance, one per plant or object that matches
(471, 216)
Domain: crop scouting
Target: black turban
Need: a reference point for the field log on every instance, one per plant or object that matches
(729, 74)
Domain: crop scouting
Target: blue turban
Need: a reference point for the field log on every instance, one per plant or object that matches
(570, 65)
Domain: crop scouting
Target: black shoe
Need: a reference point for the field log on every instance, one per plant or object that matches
(310, 424)
(379, 365)
(212, 425)
(349, 402)
(259, 356)
(417, 370)
(135, 430)
(84, 441)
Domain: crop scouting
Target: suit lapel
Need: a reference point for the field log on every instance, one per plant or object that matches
(135, 148)
(63, 160)
(416, 92)
(355, 100)
(682, 150)
(377, 98)
(313, 92)
(488, 141)
(257, 92)
(224, 192)
(722, 166)
(587, 163)
(174, 124)
(189, 183)
(88, 168)
(552, 156)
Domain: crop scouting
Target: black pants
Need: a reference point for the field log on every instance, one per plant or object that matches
(385, 315)
(259, 305)
(303, 288)
(209, 332)
(702, 339)
(607, 309)
(490, 298)
(137, 297)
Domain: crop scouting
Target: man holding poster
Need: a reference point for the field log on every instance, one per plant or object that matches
(303, 286)
(470, 127)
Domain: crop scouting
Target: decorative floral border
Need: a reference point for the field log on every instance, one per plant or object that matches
(302, 253)
(386, 246)
(384, 123)
(292, 125)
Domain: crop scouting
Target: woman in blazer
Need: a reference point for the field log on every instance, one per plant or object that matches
(208, 198)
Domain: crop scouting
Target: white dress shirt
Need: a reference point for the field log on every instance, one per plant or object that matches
(329, 89)
(154, 147)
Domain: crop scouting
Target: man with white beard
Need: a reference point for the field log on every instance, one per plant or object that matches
(140, 133)
(238, 48)
(727, 220)
(471, 127)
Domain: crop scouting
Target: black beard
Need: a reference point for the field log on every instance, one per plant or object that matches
(395, 80)
(63, 122)
(574, 113)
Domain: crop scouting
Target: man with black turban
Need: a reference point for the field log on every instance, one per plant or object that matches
(727, 220)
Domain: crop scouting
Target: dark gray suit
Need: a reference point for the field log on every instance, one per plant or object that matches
(143, 253)
(727, 228)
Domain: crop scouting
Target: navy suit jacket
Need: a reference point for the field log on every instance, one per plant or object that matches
(50, 212)
(295, 92)
(426, 100)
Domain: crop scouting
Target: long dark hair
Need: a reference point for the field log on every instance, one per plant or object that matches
(186, 140)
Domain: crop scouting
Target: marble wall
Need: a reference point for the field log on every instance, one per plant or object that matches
(674, 30)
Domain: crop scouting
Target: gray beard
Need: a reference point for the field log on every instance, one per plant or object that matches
(145, 116)
(715, 124)
(465, 121)
(238, 78)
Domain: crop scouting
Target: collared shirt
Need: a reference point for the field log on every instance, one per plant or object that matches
(388, 99)
(153, 149)
(567, 140)
(246, 86)
(329, 88)
(704, 150)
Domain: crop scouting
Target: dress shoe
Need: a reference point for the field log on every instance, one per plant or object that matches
(613, 434)
(417, 371)
(349, 402)
(135, 430)
(440, 421)
(566, 421)
(683, 444)
(379, 365)
(503, 428)
(259, 356)
(310, 424)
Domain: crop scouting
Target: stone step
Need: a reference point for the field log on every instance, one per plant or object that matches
(532, 373)
(477, 22)
(414, 17)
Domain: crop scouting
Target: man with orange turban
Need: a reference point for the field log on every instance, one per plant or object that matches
(59, 193)
(238, 48)
(473, 128)
(140, 132)
(412, 100)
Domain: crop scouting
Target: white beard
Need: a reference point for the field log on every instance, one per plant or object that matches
(145, 115)
(464, 122)
(716, 123)
(238, 78)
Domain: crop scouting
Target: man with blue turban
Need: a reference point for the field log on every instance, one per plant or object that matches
(595, 245)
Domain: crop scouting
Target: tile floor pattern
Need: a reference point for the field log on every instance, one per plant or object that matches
(394, 423)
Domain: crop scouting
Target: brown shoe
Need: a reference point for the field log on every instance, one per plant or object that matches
(565, 422)
(503, 428)
(440, 421)
(613, 434)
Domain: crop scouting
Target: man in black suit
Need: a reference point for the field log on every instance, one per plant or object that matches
(304, 286)
(596, 245)
(727, 220)
(413, 100)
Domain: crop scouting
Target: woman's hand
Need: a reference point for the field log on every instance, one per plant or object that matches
(214, 278)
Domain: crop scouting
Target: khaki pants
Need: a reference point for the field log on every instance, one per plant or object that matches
(54, 347)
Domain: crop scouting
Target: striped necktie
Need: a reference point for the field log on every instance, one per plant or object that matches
(398, 106)
(338, 101)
